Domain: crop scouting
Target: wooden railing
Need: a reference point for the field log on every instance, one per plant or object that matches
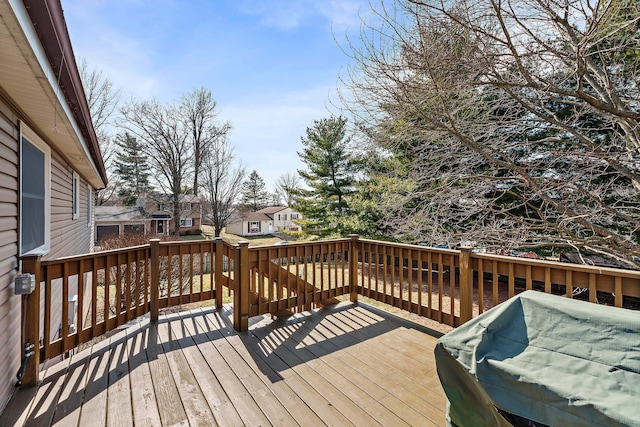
(449, 286)
(81, 297)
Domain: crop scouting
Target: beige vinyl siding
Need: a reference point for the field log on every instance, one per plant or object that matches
(10, 325)
(68, 236)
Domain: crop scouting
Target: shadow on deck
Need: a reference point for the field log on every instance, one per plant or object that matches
(341, 365)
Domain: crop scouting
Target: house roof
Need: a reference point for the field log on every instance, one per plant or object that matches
(43, 83)
(272, 209)
(119, 214)
(182, 198)
(250, 216)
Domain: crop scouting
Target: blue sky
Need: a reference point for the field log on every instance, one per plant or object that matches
(272, 65)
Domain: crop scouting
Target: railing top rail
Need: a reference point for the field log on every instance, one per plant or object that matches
(560, 265)
(95, 254)
(410, 246)
(298, 244)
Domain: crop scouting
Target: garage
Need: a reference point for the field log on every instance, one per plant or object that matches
(106, 231)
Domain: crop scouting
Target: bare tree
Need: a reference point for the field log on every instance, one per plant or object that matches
(517, 121)
(199, 114)
(222, 183)
(166, 142)
(286, 186)
(103, 100)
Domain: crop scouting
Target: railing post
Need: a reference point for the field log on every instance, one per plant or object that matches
(466, 285)
(353, 267)
(241, 288)
(218, 271)
(31, 264)
(154, 292)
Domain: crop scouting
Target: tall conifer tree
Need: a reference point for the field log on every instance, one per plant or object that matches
(254, 193)
(330, 177)
(132, 167)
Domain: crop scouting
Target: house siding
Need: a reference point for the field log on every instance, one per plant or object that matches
(68, 237)
(10, 325)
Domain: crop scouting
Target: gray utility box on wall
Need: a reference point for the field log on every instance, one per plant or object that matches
(25, 284)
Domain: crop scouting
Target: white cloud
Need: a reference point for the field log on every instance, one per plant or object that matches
(267, 128)
(290, 14)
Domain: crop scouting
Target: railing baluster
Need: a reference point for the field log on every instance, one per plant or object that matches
(569, 284)
(547, 281)
(94, 299)
(409, 281)
(64, 321)
(452, 290)
(512, 281)
(80, 336)
(618, 291)
(419, 277)
(480, 286)
(429, 285)
(128, 283)
(218, 245)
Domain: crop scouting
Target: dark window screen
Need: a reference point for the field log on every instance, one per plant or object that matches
(32, 178)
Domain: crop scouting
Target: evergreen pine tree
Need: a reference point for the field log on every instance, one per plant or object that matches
(254, 193)
(132, 168)
(330, 177)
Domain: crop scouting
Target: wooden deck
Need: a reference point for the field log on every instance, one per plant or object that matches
(341, 366)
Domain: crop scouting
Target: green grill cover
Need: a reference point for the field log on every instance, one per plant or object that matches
(545, 358)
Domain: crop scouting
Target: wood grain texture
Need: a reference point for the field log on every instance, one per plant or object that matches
(343, 365)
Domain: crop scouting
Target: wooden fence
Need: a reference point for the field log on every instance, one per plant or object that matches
(449, 286)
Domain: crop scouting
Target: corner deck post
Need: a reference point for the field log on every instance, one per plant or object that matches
(353, 267)
(218, 271)
(241, 288)
(154, 255)
(31, 264)
(466, 285)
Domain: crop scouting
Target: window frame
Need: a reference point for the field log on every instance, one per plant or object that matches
(186, 219)
(29, 136)
(75, 195)
(89, 205)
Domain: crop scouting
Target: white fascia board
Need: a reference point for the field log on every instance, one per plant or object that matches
(22, 16)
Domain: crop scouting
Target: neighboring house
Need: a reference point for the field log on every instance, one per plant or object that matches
(265, 221)
(251, 224)
(160, 208)
(113, 221)
(50, 161)
(151, 215)
(283, 217)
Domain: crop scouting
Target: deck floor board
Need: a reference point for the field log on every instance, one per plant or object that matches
(341, 365)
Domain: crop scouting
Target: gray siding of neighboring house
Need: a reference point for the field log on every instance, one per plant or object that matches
(10, 325)
(68, 237)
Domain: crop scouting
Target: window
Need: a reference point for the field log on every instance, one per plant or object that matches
(35, 194)
(187, 222)
(75, 198)
(186, 206)
(254, 226)
(285, 217)
(89, 205)
(294, 216)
